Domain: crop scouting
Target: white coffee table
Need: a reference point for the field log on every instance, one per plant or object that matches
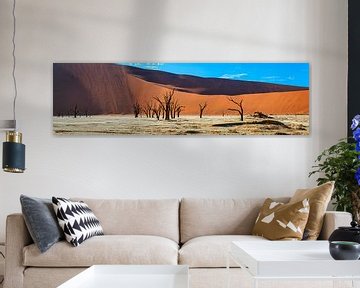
(131, 276)
(300, 260)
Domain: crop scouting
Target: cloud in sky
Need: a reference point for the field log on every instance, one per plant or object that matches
(147, 65)
(277, 79)
(234, 76)
(271, 77)
(277, 73)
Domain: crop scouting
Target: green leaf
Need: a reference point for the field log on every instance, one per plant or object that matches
(338, 163)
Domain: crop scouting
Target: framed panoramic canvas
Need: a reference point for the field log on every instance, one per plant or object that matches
(181, 98)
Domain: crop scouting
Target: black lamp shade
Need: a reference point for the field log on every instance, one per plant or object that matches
(13, 157)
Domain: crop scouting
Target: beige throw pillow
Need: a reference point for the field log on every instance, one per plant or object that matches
(279, 221)
(319, 198)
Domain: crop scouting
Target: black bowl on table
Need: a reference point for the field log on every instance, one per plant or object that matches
(344, 250)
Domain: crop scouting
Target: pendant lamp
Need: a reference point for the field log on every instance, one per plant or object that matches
(13, 159)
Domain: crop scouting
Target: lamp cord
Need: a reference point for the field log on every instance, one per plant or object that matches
(14, 61)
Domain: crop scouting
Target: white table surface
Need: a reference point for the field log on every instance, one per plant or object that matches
(281, 259)
(131, 276)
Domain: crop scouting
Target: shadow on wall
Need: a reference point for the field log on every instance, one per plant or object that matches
(148, 25)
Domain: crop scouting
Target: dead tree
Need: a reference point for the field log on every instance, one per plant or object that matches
(176, 109)
(240, 108)
(179, 110)
(173, 107)
(158, 110)
(148, 109)
(76, 111)
(136, 109)
(258, 114)
(202, 108)
(166, 102)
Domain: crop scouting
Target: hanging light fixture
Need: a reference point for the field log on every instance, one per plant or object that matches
(13, 160)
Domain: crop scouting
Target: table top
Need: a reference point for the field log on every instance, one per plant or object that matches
(291, 259)
(131, 276)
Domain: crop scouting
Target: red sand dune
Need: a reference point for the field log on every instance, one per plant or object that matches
(95, 88)
(112, 89)
(295, 102)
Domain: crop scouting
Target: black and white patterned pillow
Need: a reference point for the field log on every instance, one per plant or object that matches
(77, 220)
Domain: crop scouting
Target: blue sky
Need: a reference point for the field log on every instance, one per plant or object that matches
(296, 74)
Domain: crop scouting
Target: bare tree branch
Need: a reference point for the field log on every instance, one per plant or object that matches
(136, 109)
(166, 102)
(240, 110)
(158, 110)
(202, 108)
(148, 109)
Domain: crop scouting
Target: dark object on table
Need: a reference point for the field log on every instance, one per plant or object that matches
(345, 233)
(344, 250)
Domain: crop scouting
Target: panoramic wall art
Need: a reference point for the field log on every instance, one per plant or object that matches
(181, 98)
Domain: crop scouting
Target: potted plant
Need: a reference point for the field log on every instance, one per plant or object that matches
(341, 163)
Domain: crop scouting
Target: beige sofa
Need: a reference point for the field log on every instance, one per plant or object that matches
(194, 232)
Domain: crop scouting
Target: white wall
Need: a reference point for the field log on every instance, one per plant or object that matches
(49, 31)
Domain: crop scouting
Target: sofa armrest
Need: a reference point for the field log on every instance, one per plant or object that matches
(17, 237)
(333, 220)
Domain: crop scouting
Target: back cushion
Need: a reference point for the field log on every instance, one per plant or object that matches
(158, 217)
(200, 217)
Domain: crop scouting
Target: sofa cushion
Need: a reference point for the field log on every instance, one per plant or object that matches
(41, 221)
(200, 217)
(279, 221)
(107, 249)
(77, 220)
(319, 198)
(158, 217)
(211, 251)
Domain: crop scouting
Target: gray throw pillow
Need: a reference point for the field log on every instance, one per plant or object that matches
(41, 221)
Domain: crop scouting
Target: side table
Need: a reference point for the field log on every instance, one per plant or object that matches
(294, 264)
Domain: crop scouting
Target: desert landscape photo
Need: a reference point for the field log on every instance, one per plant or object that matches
(181, 98)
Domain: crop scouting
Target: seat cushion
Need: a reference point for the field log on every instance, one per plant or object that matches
(211, 251)
(205, 217)
(157, 217)
(107, 249)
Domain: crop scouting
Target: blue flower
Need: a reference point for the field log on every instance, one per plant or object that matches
(357, 176)
(355, 126)
(356, 134)
(355, 122)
